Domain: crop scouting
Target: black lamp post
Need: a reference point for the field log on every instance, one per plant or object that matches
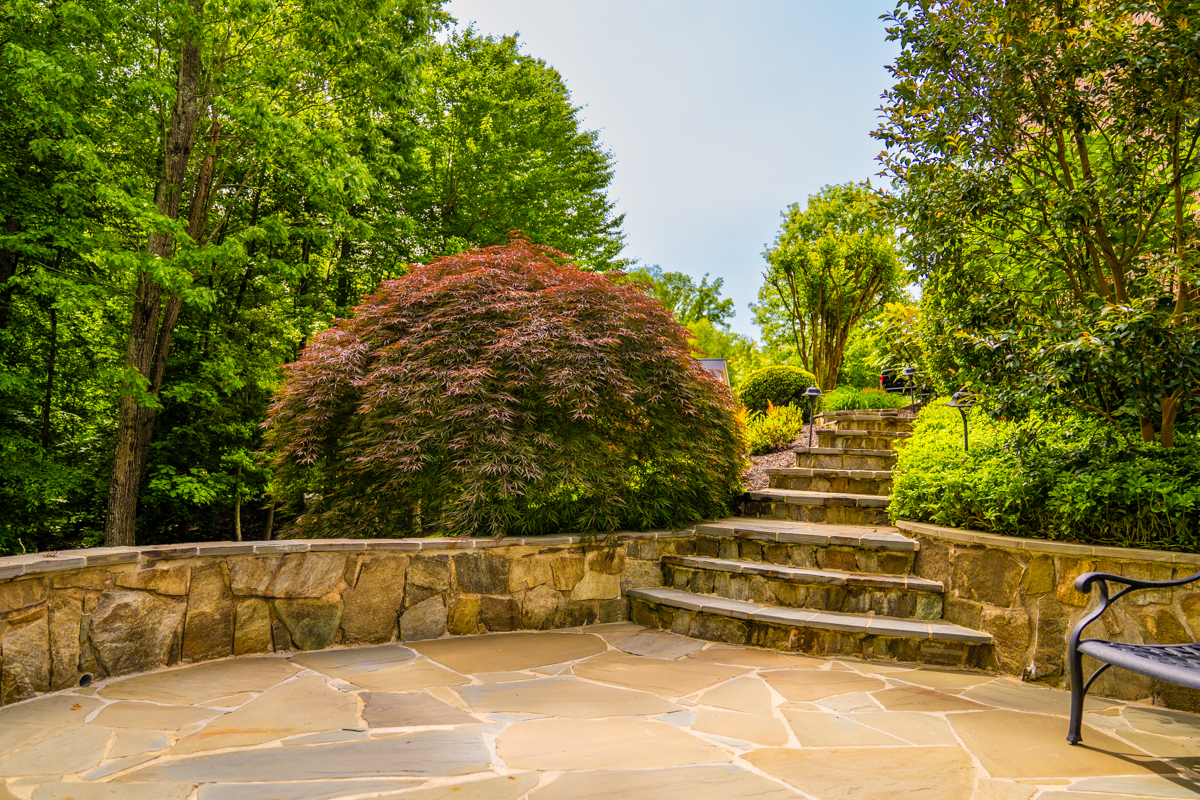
(963, 401)
(812, 393)
(910, 375)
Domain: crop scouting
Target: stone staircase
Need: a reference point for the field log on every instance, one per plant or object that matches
(812, 564)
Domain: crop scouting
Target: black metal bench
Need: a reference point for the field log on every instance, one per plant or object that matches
(1174, 663)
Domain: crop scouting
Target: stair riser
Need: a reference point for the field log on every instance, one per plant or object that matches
(832, 515)
(844, 461)
(846, 559)
(838, 440)
(820, 484)
(717, 628)
(794, 594)
(885, 425)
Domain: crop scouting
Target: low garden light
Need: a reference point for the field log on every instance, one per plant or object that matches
(963, 401)
(910, 375)
(812, 393)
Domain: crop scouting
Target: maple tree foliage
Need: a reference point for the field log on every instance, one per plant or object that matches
(502, 391)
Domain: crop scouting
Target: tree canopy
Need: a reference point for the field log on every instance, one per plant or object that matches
(833, 262)
(189, 192)
(1046, 161)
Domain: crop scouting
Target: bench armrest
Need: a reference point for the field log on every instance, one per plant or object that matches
(1100, 580)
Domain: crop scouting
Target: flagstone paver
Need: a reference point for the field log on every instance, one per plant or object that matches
(128, 714)
(869, 773)
(193, 685)
(600, 712)
(1012, 744)
(748, 695)
(564, 697)
(409, 710)
(689, 783)
(303, 790)
(672, 678)
(306, 704)
(655, 644)
(509, 651)
(561, 744)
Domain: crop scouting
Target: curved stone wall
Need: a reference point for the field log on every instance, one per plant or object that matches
(1022, 592)
(84, 614)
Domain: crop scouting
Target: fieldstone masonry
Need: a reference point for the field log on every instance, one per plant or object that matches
(109, 612)
(118, 611)
(1022, 592)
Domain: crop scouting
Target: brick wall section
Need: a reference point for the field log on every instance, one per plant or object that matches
(116, 611)
(1022, 592)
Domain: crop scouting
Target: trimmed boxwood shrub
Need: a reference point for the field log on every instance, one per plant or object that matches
(781, 385)
(502, 391)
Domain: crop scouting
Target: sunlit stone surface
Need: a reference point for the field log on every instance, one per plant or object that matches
(606, 711)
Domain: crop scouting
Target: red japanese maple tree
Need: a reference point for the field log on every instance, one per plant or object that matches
(502, 391)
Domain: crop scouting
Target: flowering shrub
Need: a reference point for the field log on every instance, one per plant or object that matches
(502, 391)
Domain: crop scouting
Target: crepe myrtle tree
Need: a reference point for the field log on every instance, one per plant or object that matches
(502, 390)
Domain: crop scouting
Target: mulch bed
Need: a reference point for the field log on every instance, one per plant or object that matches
(755, 477)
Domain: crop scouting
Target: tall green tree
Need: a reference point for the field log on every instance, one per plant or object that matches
(687, 300)
(498, 147)
(833, 262)
(1047, 158)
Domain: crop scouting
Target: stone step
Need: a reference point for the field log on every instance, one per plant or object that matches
(865, 420)
(830, 507)
(857, 481)
(862, 440)
(901, 596)
(844, 458)
(851, 548)
(807, 630)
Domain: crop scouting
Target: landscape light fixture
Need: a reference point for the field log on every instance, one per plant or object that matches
(910, 375)
(963, 401)
(812, 393)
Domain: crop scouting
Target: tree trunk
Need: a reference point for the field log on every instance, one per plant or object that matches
(1170, 407)
(51, 361)
(8, 269)
(1147, 424)
(148, 344)
(270, 518)
(237, 505)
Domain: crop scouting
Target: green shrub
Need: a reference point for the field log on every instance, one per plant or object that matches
(1064, 478)
(774, 429)
(778, 385)
(847, 398)
(499, 391)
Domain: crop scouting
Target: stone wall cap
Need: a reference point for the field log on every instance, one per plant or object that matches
(1046, 546)
(13, 567)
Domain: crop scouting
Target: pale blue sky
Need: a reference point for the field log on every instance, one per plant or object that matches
(719, 114)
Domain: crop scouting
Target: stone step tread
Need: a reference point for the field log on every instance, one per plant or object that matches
(820, 472)
(865, 624)
(877, 434)
(833, 577)
(870, 537)
(863, 414)
(843, 451)
(807, 498)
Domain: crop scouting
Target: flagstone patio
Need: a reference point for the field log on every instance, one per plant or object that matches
(607, 711)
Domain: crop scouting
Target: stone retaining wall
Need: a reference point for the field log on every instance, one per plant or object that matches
(93, 613)
(1022, 592)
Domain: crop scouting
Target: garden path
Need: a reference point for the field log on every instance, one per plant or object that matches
(590, 713)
